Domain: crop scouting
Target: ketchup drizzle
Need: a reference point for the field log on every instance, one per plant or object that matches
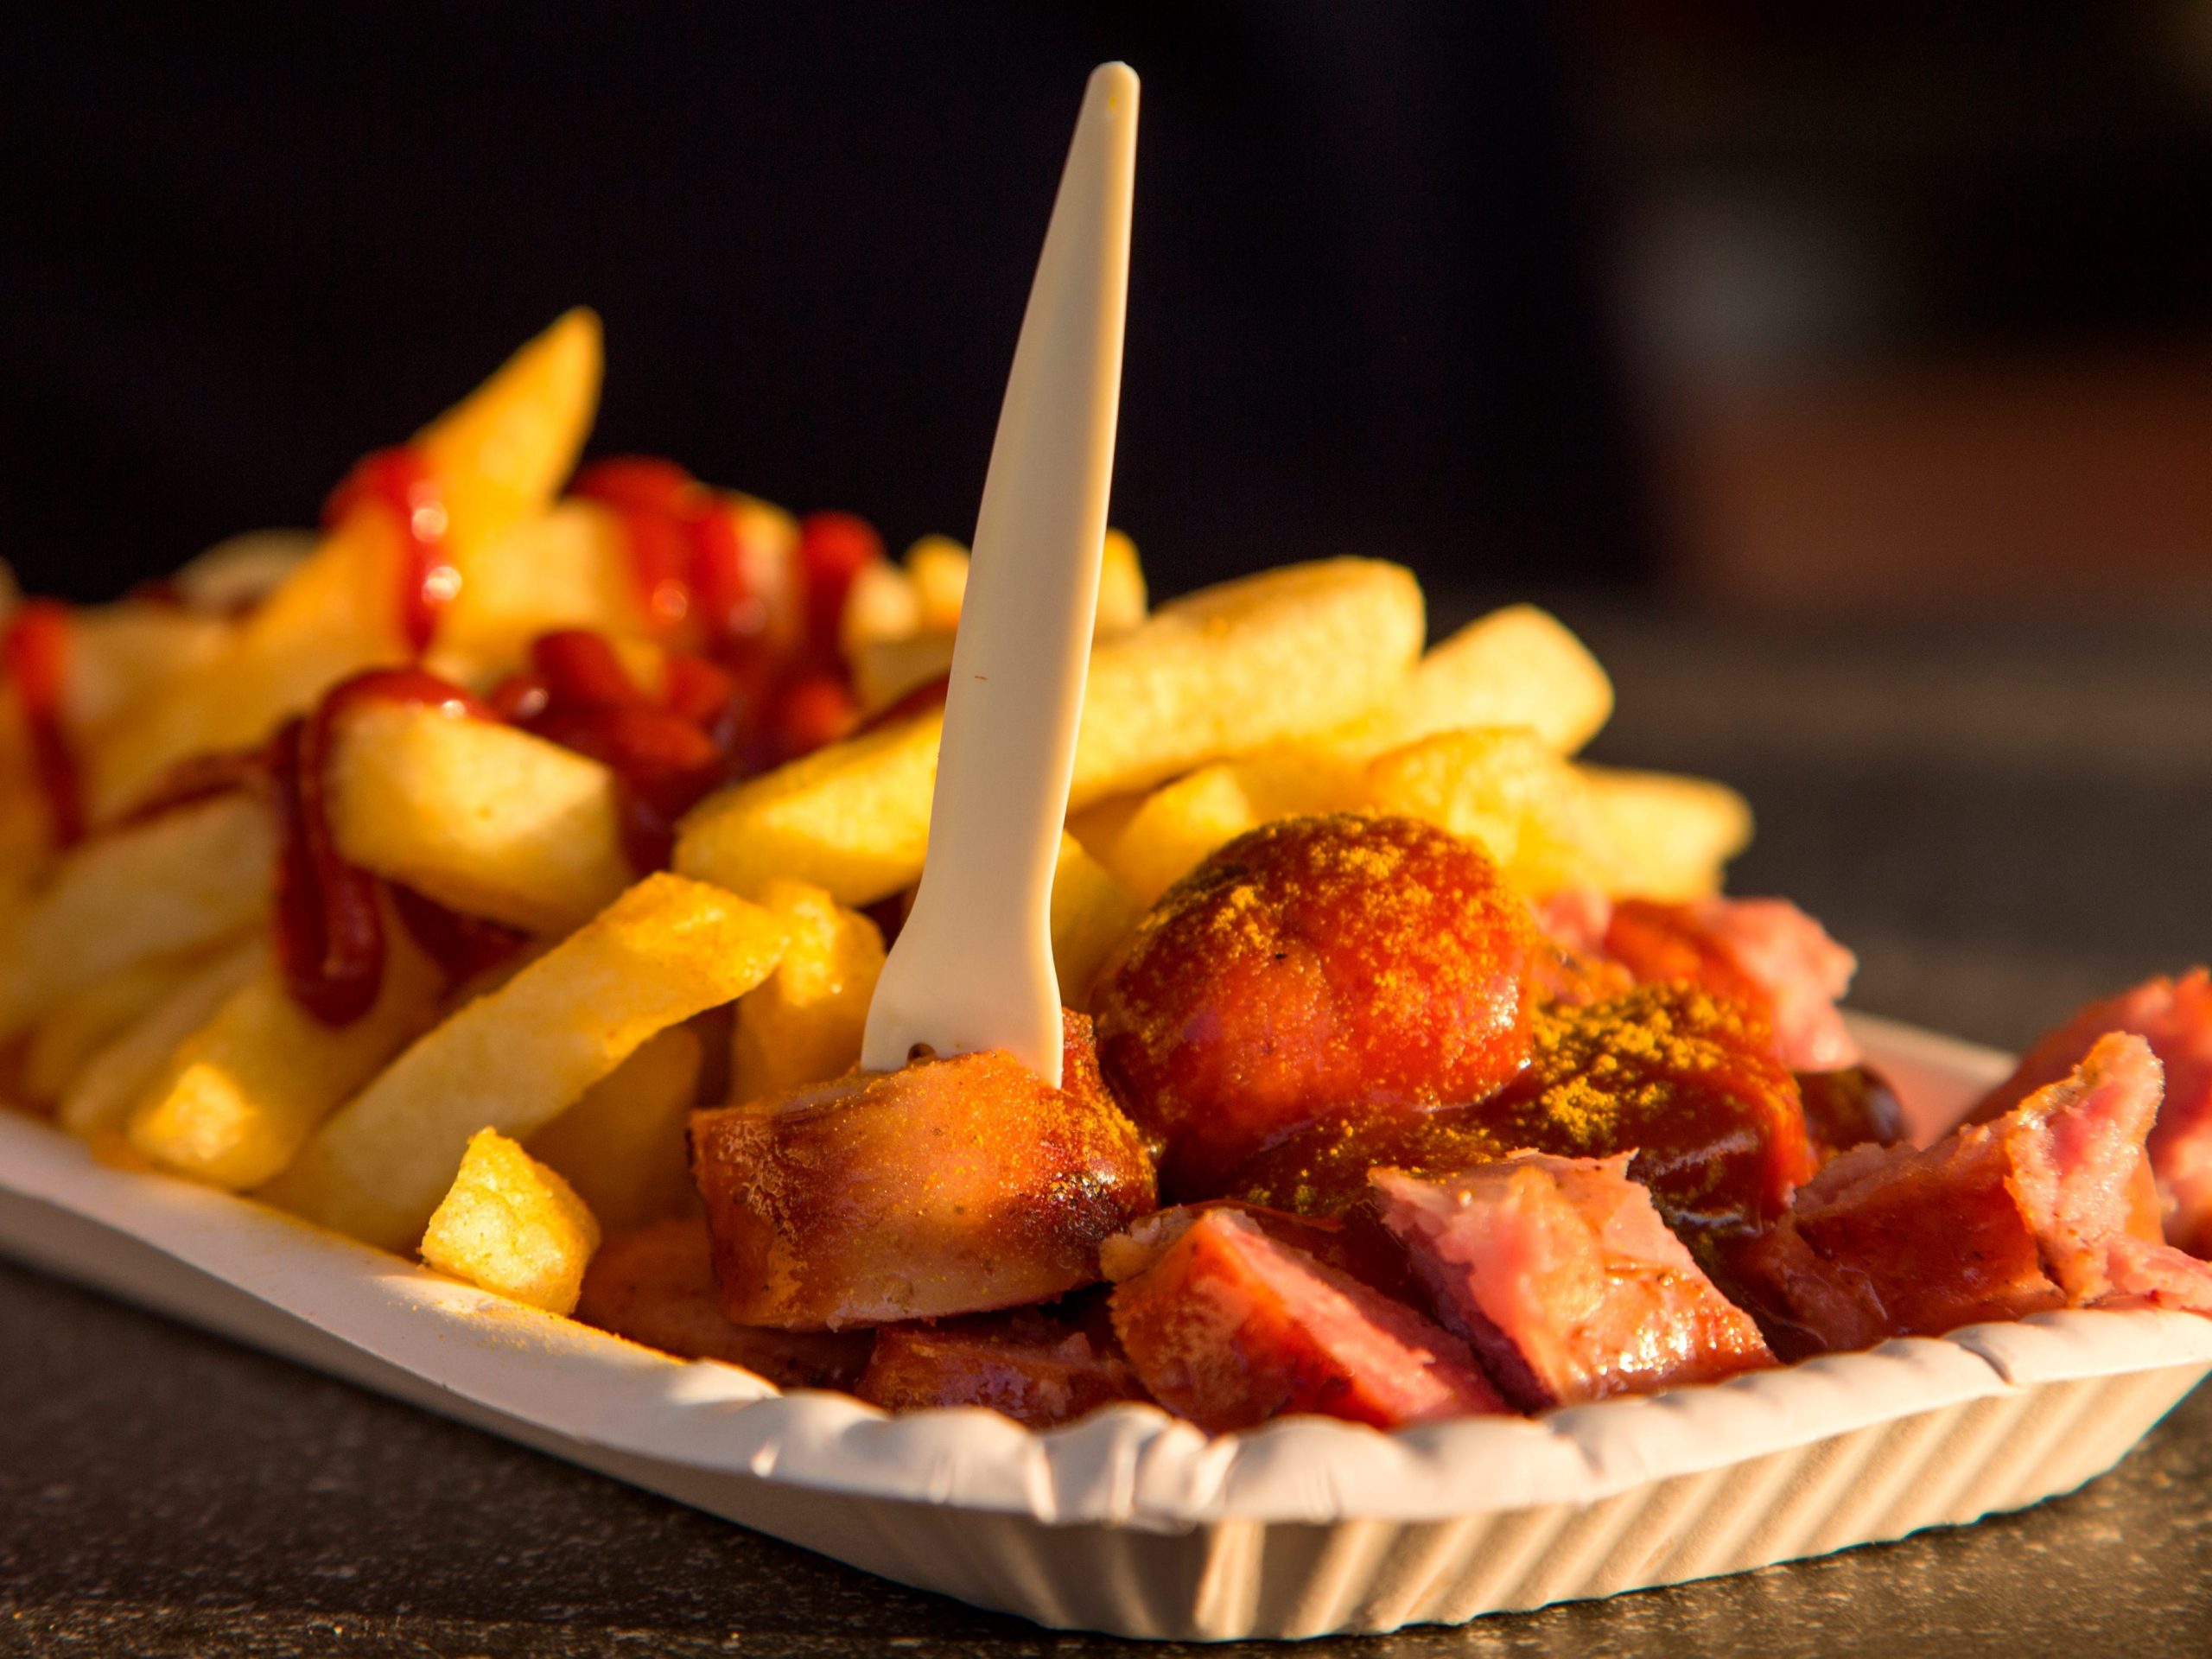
(686, 556)
(834, 548)
(461, 945)
(688, 564)
(401, 481)
(664, 755)
(745, 705)
(194, 778)
(329, 931)
(35, 650)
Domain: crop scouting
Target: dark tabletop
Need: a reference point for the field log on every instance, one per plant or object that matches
(2001, 822)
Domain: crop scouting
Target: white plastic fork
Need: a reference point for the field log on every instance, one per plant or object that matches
(973, 968)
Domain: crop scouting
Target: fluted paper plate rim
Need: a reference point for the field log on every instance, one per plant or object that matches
(1128, 1465)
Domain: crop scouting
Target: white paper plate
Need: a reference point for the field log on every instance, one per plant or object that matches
(1133, 1523)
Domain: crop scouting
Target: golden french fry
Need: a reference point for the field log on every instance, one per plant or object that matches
(511, 1225)
(122, 654)
(1237, 667)
(802, 1023)
(767, 545)
(882, 605)
(568, 567)
(885, 670)
(1096, 826)
(1122, 598)
(1178, 823)
(1553, 824)
(1515, 667)
(504, 449)
(82, 1023)
(333, 616)
(1228, 670)
(621, 1146)
(1509, 789)
(499, 454)
(99, 1098)
(123, 658)
(515, 1058)
(1519, 666)
(486, 819)
(241, 570)
(1090, 912)
(1672, 836)
(185, 879)
(571, 566)
(895, 644)
(235, 1101)
(938, 566)
(116, 654)
(853, 818)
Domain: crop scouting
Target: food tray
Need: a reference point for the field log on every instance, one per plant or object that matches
(1133, 1524)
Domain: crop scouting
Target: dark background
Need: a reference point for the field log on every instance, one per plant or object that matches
(1812, 306)
(238, 253)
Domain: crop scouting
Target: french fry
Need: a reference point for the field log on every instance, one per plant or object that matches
(239, 571)
(881, 607)
(1178, 823)
(333, 616)
(1090, 912)
(568, 567)
(82, 1023)
(767, 546)
(1122, 598)
(853, 818)
(1514, 662)
(1674, 836)
(235, 1101)
(506, 447)
(1552, 823)
(120, 660)
(180, 881)
(802, 1023)
(1228, 670)
(122, 654)
(515, 1058)
(99, 1099)
(115, 655)
(885, 670)
(1098, 825)
(486, 819)
(1239, 666)
(621, 1146)
(938, 566)
(900, 618)
(1507, 788)
(899, 623)
(1518, 666)
(510, 1224)
(500, 452)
